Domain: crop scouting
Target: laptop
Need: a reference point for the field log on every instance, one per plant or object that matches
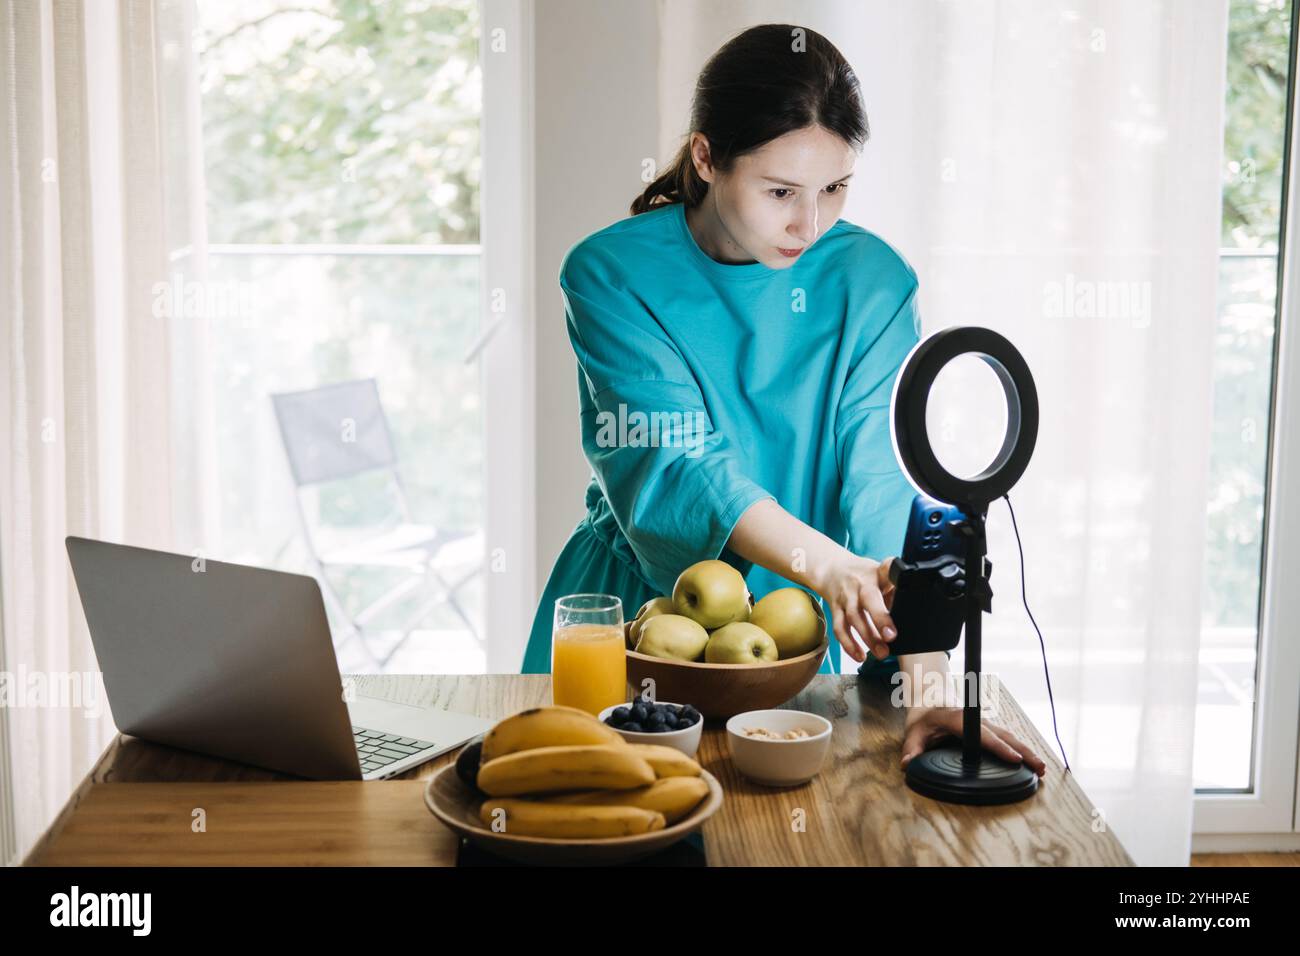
(237, 662)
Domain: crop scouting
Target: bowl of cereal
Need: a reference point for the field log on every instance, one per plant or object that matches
(778, 748)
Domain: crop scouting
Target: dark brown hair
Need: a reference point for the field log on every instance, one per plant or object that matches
(770, 80)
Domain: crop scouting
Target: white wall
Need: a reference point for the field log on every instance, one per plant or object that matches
(596, 121)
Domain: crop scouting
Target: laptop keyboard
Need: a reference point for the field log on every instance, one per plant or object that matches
(378, 750)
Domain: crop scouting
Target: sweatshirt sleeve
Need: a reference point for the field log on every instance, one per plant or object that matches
(675, 484)
(875, 495)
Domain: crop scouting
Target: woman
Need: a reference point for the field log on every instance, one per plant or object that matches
(737, 344)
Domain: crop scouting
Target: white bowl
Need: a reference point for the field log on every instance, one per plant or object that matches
(779, 763)
(687, 740)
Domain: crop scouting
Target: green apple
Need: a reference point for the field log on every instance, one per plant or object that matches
(651, 608)
(711, 593)
(672, 636)
(790, 616)
(740, 643)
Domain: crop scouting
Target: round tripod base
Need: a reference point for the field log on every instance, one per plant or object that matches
(941, 775)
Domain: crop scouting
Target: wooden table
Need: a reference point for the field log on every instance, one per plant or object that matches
(147, 804)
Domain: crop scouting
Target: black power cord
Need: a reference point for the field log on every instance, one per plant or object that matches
(1025, 599)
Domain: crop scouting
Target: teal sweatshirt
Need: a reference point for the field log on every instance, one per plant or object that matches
(704, 387)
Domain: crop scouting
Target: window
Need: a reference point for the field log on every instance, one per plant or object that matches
(341, 154)
(1259, 56)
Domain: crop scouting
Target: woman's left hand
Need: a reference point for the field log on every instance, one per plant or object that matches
(927, 726)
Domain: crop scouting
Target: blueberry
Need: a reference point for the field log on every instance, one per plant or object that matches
(621, 713)
(640, 712)
(633, 726)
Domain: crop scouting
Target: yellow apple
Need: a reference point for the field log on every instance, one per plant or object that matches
(672, 636)
(651, 608)
(790, 616)
(740, 643)
(711, 593)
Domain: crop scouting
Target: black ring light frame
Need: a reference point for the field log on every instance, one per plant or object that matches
(964, 773)
(912, 392)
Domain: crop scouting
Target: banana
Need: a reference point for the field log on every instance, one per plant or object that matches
(547, 727)
(674, 797)
(667, 761)
(529, 818)
(547, 769)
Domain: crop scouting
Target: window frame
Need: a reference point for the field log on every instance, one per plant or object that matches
(1225, 820)
(507, 365)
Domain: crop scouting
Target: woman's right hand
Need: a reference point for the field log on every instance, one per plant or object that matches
(856, 589)
(860, 594)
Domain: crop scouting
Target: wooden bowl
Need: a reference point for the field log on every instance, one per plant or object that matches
(724, 690)
(456, 805)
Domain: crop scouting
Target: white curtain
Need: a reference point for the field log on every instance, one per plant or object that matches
(1052, 171)
(100, 211)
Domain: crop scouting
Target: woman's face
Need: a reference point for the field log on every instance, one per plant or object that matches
(781, 197)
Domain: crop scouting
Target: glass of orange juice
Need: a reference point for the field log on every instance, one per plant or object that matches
(588, 654)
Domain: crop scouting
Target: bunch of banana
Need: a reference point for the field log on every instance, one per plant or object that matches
(560, 772)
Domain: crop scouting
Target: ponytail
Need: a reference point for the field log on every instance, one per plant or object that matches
(680, 182)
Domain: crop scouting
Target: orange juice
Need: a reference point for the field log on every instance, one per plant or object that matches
(589, 667)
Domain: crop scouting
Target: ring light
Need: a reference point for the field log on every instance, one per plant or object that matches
(961, 772)
(908, 427)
